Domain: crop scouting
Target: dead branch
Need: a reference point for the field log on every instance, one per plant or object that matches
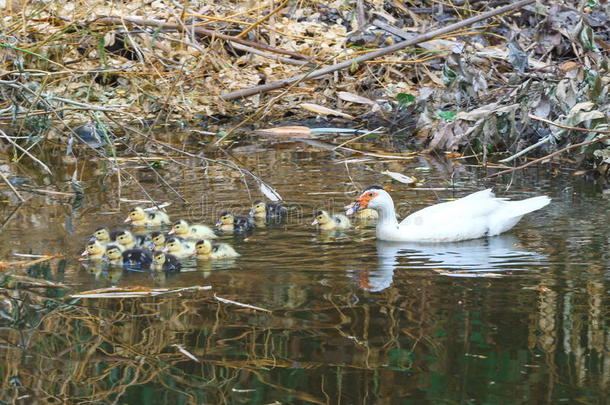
(372, 55)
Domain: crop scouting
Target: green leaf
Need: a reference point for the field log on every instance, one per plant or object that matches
(405, 99)
(447, 115)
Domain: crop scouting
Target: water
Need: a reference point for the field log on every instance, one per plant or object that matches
(343, 319)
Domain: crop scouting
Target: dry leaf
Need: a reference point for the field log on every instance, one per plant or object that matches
(400, 177)
(269, 192)
(295, 131)
(318, 109)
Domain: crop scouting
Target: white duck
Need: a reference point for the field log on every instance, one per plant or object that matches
(474, 216)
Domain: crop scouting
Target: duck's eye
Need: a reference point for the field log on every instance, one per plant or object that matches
(371, 195)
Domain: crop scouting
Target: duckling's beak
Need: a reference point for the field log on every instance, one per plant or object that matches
(171, 231)
(315, 222)
(251, 212)
(353, 208)
(165, 250)
(85, 253)
(218, 223)
(127, 220)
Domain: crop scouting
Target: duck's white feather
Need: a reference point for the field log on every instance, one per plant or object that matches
(474, 216)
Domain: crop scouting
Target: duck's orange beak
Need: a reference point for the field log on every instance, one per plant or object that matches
(361, 203)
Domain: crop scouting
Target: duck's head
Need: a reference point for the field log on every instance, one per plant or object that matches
(102, 234)
(203, 247)
(158, 257)
(321, 218)
(259, 208)
(94, 248)
(179, 228)
(124, 238)
(136, 214)
(113, 252)
(172, 245)
(373, 197)
(226, 218)
(158, 238)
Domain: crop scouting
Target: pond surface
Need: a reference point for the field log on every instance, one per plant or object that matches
(520, 318)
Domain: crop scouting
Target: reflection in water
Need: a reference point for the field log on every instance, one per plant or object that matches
(495, 254)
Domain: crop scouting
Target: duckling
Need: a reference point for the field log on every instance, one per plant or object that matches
(206, 250)
(137, 259)
(196, 231)
(104, 236)
(179, 248)
(229, 222)
(327, 222)
(157, 240)
(129, 241)
(139, 217)
(94, 250)
(114, 255)
(365, 214)
(261, 209)
(165, 262)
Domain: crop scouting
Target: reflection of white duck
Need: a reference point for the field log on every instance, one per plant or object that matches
(465, 259)
(474, 216)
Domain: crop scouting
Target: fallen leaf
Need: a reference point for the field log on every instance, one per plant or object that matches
(289, 132)
(318, 109)
(400, 177)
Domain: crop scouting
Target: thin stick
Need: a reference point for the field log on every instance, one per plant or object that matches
(262, 20)
(597, 131)
(372, 55)
(109, 20)
(533, 162)
(15, 144)
(8, 183)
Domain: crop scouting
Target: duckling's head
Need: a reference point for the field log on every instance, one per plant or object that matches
(136, 214)
(102, 234)
(158, 238)
(203, 247)
(158, 257)
(172, 245)
(180, 228)
(113, 252)
(373, 197)
(94, 248)
(124, 238)
(259, 209)
(226, 218)
(321, 218)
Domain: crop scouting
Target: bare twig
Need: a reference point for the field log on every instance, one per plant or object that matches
(109, 20)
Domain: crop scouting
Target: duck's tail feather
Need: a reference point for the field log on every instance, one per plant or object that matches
(520, 208)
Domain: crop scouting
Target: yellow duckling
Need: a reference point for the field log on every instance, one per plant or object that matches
(104, 236)
(365, 214)
(206, 250)
(328, 222)
(114, 255)
(94, 250)
(158, 240)
(196, 231)
(128, 241)
(261, 209)
(165, 262)
(139, 217)
(229, 223)
(179, 248)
